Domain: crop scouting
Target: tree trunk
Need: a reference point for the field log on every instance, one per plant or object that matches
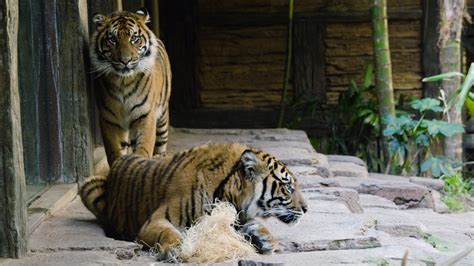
(451, 17)
(383, 65)
(12, 177)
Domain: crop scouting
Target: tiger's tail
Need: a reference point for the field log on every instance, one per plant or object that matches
(93, 194)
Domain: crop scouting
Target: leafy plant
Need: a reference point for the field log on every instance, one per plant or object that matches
(355, 123)
(410, 137)
(456, 190)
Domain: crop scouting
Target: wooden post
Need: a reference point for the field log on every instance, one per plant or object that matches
(12, 178)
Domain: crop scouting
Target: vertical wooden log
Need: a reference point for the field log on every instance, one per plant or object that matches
(12, 178)
(31, 46)
(75, 90)
(155, 16)
(49, 97)
(309, 80)
(430, 46)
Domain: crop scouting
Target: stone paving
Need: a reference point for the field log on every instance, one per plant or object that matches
(354, 217)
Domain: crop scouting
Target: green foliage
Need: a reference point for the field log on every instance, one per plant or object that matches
(456, 190)
(355, 123)
(410, 137)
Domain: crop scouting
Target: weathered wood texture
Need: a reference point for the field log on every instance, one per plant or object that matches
(13, 242)
(55, 88)
(309, 77)
(242, 46)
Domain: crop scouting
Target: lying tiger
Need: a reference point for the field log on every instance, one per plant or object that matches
(152, 200)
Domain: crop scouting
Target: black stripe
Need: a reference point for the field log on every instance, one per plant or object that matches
(264, 187)
(188, 219)
(181, 212)
(139, 118)
(141, 103)
(112, 123)
(167, 214)
(218, 192)
(193, 201)
(274, 186)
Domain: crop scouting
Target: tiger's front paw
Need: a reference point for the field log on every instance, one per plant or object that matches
(259, 236)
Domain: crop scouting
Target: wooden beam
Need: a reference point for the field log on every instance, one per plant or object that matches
(430, 57)
(13, 240)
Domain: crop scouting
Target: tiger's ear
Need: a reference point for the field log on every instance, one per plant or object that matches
(144, 13)
(99, 19)
(249, 163)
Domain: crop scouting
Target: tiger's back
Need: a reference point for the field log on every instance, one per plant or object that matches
(133, 85)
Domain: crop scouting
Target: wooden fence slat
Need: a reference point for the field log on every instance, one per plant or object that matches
(12, 178)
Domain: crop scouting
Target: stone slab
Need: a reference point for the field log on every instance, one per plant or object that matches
(346, 159)
(372, 201)
(348, 196)
(328, 225)
(73, 228)
(348, 169)
(404, 194)
(395, 222)
(436, 184)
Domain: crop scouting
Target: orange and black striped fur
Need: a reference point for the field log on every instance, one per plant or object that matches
(152, 200)
(133, 84)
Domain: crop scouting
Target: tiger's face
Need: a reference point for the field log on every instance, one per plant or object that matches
(277, 191)
(123, 44)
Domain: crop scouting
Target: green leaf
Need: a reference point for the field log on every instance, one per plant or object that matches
(427, 104)
(368, 74)
(390, 131)
(470, 106)
(423, 140)
(465, 88)
(436, 127)
(442, 76)
(426, 164)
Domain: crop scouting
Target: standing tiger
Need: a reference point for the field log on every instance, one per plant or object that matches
(152, 200)
(134, 83)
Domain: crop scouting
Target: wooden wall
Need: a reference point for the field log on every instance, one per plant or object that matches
(242, 46)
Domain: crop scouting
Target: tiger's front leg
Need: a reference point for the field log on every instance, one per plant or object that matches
(259, 236)
(115, 140)
(162, 129)
(159, 232)
(142, 135)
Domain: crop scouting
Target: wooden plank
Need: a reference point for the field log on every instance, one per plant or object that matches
(12, 180)
(309, 60)
(179, 20)
(430, 46)
(75, 95)
(29, 62)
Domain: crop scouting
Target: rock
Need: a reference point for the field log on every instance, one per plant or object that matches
(348, 169)
(328, 225)
(74, 228)
(348, 196)
(314, 181)
(396, 223)
(389, 178)
(372, 201)
(406, 195)
(346, 159)
(431, 183)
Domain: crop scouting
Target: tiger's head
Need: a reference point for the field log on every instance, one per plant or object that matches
(277, 192)
(123, 44)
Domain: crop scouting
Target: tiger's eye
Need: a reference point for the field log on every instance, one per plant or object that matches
(134, 38)
(289, 188)
(112, 40)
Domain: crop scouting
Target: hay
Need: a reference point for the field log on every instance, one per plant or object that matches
(214, 239)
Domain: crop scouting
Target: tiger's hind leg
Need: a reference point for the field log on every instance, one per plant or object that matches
(259, 236)
(162, 130)
(160, 232)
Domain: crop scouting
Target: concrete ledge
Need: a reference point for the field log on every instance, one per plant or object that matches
(55, 198)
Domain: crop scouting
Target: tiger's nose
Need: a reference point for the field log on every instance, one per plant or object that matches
(304, 208)
(125, 60)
